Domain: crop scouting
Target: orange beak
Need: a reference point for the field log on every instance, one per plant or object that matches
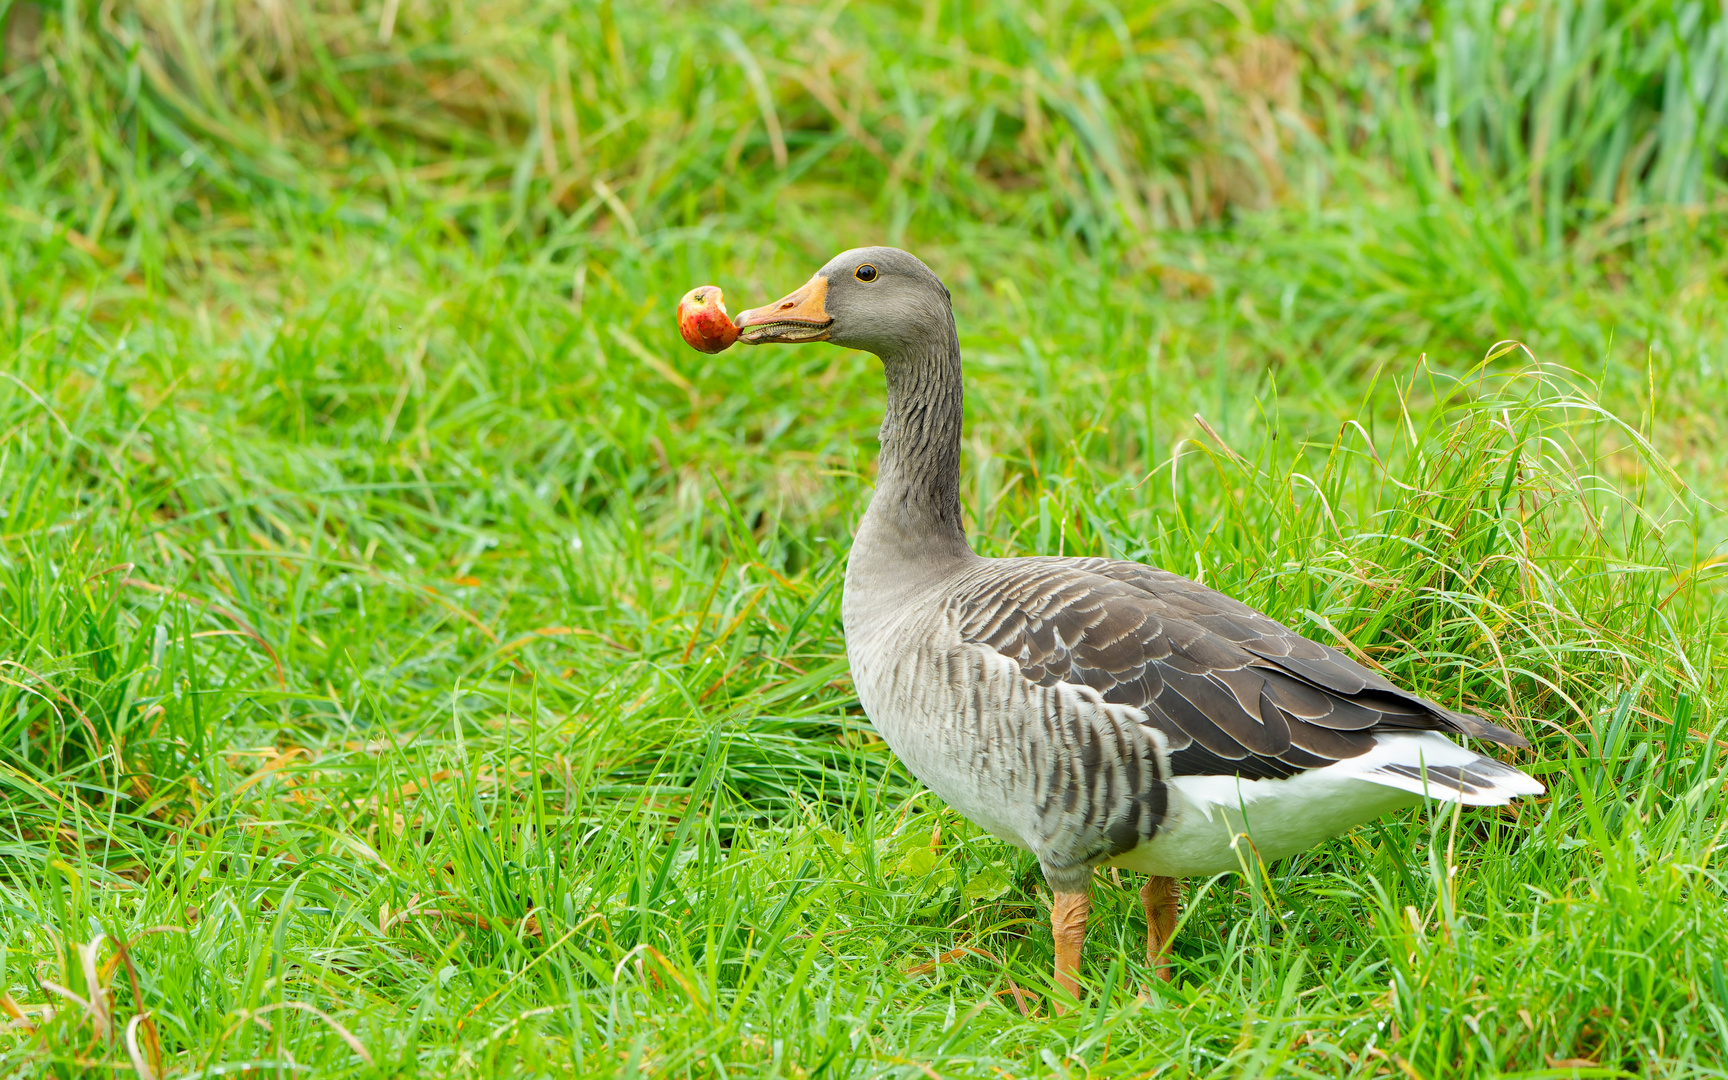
(797, 317)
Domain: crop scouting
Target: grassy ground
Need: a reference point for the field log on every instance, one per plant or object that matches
(414, 661)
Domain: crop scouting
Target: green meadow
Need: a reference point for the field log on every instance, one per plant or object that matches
(415, 661)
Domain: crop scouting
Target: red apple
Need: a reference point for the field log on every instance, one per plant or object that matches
(703, 321)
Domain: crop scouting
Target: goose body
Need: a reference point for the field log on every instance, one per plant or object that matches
(1092, 711)
(1097, 712)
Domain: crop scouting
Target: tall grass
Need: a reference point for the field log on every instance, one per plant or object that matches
(1061, 118)
(414, 661)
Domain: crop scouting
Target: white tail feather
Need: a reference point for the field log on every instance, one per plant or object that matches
(1433, 766)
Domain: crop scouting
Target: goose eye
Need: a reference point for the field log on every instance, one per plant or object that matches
(865, 273)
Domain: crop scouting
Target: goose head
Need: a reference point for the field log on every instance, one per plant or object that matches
(878, 299)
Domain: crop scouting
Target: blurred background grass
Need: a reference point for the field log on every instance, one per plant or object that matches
(413, 659)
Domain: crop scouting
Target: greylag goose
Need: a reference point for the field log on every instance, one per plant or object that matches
(1094, 712)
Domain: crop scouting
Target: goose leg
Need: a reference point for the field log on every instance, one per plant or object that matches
(1068, 927)
(1162, 898)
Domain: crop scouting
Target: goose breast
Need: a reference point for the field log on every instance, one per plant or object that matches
(1054, 769)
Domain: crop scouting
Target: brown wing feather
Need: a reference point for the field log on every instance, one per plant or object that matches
(1233, 690)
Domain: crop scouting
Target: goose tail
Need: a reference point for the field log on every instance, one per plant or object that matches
(1435, 767)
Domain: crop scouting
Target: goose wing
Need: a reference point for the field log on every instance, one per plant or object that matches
(1234, 691)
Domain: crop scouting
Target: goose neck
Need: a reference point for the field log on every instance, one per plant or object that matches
(917, 500)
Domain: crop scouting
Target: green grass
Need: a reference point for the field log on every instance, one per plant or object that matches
(414, 661)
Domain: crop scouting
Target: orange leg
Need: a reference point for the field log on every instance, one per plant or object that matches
(1162, 898)
(1068, 926)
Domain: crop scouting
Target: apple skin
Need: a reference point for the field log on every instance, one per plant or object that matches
(703, 321)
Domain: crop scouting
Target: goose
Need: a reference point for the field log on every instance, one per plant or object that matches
(1095, 712)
